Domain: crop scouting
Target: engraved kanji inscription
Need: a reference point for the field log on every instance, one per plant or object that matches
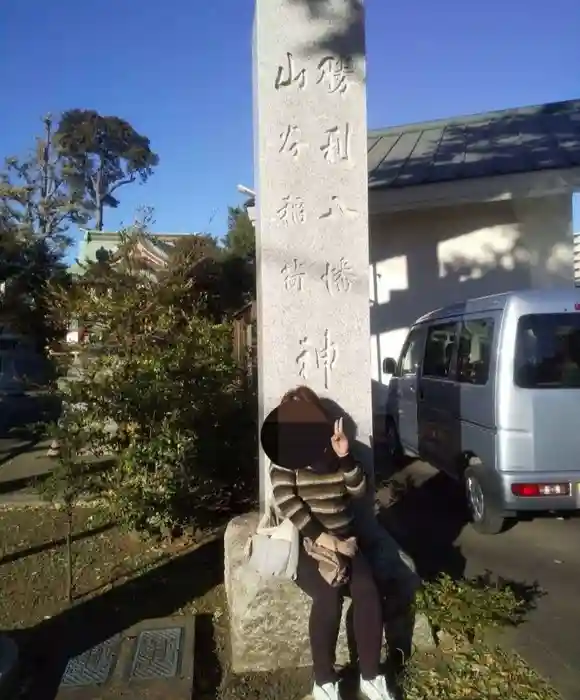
(334, 72)
(303, 358)
(338, 209)
(288, 75)
(293, 276)
(290, 141)
(337, 145)
(326, 358)
(292, 210)
(338, 278)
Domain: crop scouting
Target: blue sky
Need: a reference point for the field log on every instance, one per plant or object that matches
(180, 72)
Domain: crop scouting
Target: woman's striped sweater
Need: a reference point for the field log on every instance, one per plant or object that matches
(318, 503)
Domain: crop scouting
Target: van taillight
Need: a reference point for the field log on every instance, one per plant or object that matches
(535, 490)
(576, 307)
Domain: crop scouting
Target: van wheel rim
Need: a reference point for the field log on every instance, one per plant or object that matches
(476, 500)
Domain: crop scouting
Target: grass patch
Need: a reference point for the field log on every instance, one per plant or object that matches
(33, 561)
(473, 674)
(120, 580)
(478, 673)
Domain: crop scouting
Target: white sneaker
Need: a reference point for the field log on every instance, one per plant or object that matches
(328, 691)
(376, 689)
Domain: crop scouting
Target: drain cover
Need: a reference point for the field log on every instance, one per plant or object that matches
(92, 667)
(157, 654)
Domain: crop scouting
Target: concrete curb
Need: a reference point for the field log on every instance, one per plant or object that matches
(8, 665)
(30, 499)
(22, 500)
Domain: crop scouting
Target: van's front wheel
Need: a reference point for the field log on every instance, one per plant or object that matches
(484, 518)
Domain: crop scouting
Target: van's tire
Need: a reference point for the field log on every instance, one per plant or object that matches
(484, 518)
(393, 443)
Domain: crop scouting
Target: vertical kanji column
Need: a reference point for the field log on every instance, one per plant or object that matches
(310, 134)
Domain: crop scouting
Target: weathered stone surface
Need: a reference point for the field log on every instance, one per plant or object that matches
(92, 667)
(157, 654)
(269, 618)
(151, 660)
(312, 270)
(311, 177)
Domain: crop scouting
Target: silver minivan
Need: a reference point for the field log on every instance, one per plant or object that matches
(488, 391)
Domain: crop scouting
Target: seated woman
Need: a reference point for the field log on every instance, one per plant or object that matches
(317, 500)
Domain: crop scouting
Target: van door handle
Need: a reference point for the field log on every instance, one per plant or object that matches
(421, 395)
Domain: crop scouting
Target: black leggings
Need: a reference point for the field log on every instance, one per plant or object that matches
(326, 612)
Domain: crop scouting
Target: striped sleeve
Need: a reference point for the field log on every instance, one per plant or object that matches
(290, 504)
(354, 476)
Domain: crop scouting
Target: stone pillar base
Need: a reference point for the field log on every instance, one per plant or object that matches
(269, 617)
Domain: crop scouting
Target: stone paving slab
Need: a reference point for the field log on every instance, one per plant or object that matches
(153, 659)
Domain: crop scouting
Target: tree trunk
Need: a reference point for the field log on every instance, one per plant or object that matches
(99, 198)
(100, 212)
(43, 222)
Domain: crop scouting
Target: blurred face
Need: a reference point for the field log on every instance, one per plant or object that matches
(297, 435)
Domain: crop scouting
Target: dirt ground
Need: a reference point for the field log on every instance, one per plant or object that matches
(120, 580)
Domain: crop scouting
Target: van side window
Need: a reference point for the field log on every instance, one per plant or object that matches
(411, 354)
(474, 352)
(548, 351)
(439, 350)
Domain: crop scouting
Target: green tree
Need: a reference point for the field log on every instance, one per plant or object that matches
(35, 197)
(70, 480)
(103, 153)
(240, 240)
(159, 392)
(37, 206)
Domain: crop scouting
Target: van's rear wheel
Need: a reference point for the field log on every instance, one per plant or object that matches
(484, 518)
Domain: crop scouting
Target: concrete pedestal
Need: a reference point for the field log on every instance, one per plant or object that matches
(269, 618)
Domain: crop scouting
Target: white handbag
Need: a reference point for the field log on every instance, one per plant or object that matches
(273, 549)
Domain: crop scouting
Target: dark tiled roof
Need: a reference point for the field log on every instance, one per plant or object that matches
(521, 140)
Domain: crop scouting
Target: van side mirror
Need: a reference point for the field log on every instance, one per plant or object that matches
(389, 365)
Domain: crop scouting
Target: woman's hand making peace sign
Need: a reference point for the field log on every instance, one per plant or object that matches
(339, 441)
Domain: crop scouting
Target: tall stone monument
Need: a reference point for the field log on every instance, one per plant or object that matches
(310, 134)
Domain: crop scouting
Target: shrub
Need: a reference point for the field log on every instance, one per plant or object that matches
(477, 673)
(467, 608)
(158, 391)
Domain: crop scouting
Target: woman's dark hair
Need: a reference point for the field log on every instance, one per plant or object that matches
(305, 393)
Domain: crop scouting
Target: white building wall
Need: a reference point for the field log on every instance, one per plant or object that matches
(427, 258)
(577, 259)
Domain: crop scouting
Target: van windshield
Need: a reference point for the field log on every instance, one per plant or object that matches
(548, 351)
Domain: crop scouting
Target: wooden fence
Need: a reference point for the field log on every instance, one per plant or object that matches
(245, 339)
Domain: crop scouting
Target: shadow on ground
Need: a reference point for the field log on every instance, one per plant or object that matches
(426, 520)
(17, 413)
(61, 541)
(19, 443)
(426, 512)
(47, 647)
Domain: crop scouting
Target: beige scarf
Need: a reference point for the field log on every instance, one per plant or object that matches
(333, 566)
